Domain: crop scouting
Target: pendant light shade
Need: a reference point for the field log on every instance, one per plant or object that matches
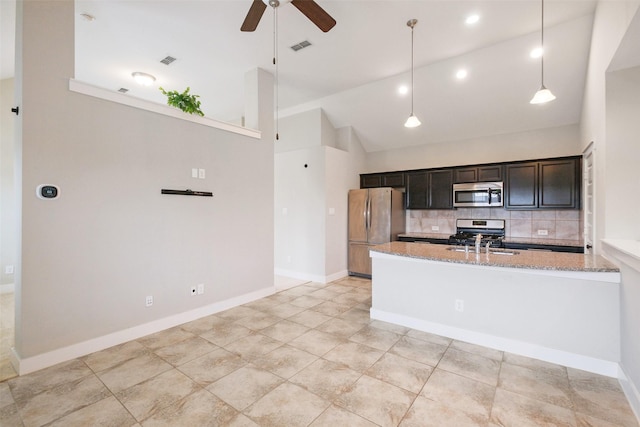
(412, 121)
(543, 94)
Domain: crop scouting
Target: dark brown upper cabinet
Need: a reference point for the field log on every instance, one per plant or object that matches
(429, 189)
(544, 184)
(385, 179)
(485, 173)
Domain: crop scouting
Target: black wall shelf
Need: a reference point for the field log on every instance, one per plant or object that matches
(187, 192)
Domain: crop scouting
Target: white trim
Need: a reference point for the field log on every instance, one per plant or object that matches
(631, 392)
(311, 277)
(44, 360)
(559, 357)
(7, 288)
(596, 276)
(626, 251)
(143, 104)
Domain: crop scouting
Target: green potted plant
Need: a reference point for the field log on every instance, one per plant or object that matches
(185, 101)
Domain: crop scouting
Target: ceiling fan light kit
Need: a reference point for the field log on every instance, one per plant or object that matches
(412, 121)
(143, 78)
(543, 94)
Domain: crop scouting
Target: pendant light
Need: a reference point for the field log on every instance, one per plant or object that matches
(412, 121)
(543, 95)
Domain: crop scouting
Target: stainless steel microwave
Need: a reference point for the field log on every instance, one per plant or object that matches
(478, 194)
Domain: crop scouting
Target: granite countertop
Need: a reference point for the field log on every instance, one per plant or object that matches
(557, 261)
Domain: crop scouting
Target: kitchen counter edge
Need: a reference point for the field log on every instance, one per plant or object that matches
(554, 261)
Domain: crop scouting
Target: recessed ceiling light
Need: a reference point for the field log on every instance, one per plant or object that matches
(403, 90)
(536, 53)
(143, 78)
(461, 74)
(472, 19)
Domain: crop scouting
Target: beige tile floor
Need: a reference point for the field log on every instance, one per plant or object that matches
(308, 356)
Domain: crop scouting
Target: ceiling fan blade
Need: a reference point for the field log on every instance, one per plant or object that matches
(315, 13)
(253, 16)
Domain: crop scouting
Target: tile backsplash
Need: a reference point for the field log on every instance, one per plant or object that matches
(559, 224)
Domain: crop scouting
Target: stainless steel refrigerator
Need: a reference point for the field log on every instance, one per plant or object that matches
(376, 215)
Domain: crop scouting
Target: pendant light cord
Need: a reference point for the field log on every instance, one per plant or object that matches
(275, 62)
(412, 69)
(542, 47)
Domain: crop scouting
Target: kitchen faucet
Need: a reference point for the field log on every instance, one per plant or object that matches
(478, 242)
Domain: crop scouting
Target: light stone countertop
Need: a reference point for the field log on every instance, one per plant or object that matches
(537, 260)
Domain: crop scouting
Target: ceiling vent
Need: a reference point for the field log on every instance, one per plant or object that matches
(123, 90)
(301, 45)
(168, 60)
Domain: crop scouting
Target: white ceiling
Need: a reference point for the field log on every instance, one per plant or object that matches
(353, 71)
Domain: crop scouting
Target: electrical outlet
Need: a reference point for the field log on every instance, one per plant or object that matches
(459, 305)
(8, 269)
(193, 291)
(201, 173)
(435, 228)
(543, 232)
(201, 289)
(148, 301)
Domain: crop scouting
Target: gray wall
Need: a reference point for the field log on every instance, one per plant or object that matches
(8, 228)
(90, 257)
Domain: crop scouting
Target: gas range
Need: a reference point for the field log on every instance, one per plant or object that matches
(491, 231)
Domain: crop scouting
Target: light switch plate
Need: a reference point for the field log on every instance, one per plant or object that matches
(201, 173)
(194, 172)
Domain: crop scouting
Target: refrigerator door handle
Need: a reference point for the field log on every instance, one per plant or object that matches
(368, 216)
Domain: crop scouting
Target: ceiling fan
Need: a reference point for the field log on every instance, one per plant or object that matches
(309, 8)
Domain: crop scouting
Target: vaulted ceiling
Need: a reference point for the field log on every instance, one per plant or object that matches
(353, 72)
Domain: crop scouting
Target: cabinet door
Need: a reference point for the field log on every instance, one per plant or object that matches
(490, 173)
(371, 180)
(559, 185)
(441, 189)
(359, 259)
(522, 186)
(394, 179)
(417, 190)
(465, 175)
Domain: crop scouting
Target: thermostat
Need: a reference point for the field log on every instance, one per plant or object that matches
(47, 191)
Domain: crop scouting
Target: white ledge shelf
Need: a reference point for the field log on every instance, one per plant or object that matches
(132, 101)
(623, 250)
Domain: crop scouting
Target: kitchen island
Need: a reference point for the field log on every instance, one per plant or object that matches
(560, 307)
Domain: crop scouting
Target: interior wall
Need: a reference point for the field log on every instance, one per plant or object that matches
(90, 257)
(311, 202)
(623, 152)
(300, 213)
(338, 183)
(611, 21)
(552, 142)
(8, 207)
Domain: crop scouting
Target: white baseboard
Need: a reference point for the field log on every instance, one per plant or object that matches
(631, 392)
(311, 277)
(34, 363)
(559, 357)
